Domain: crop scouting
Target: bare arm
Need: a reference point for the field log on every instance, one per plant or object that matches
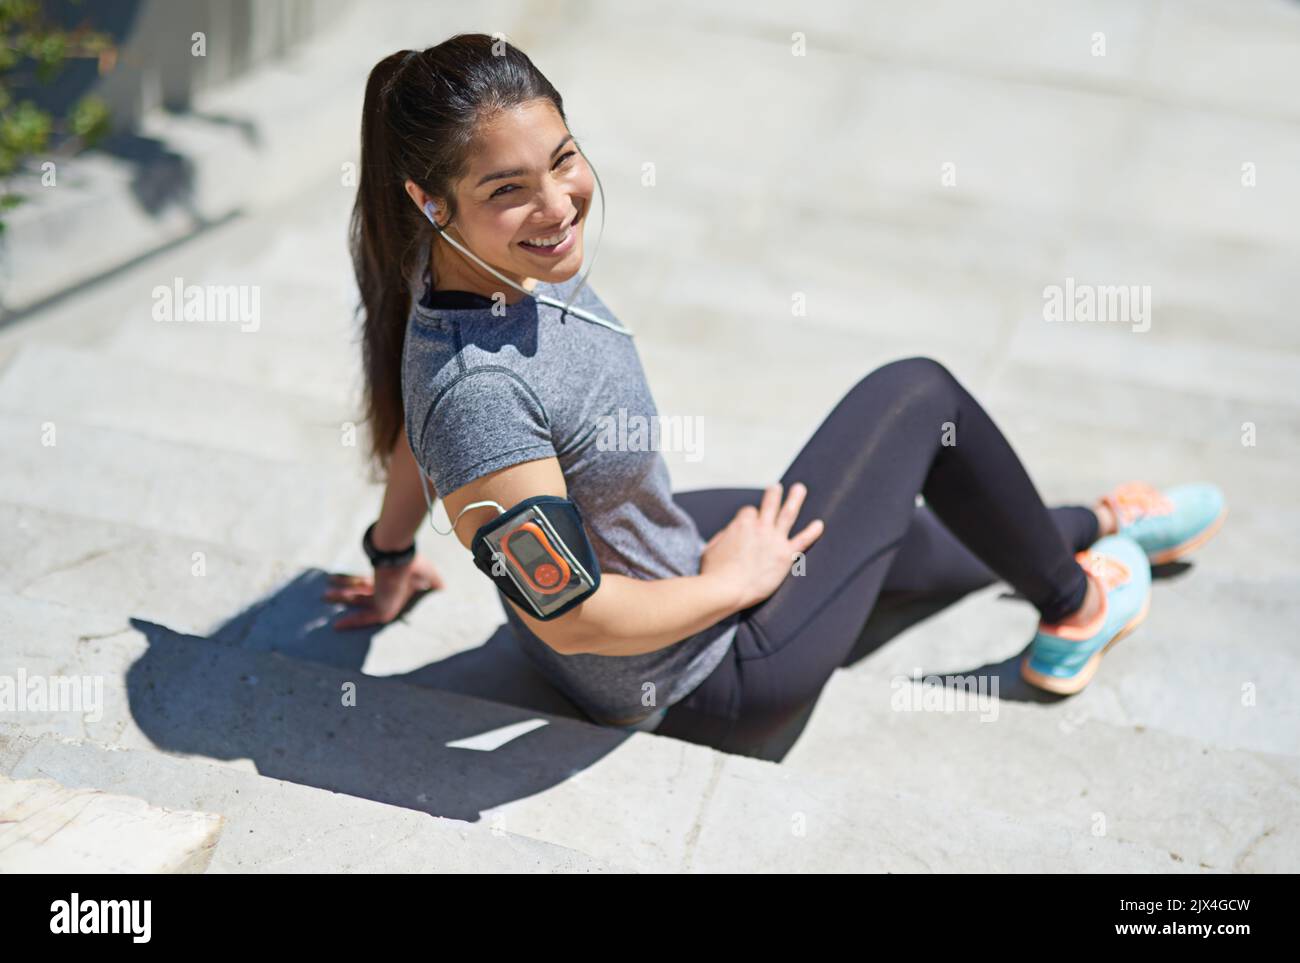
(638, 615)
(379, 598)
(625, 616)
(630, 616)
(403, 507)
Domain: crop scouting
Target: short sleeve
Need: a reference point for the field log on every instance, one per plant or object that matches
(486, 420)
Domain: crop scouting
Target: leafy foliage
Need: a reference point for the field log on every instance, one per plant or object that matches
(33, 50)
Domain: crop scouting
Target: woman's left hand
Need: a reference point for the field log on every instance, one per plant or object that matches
(380, 598)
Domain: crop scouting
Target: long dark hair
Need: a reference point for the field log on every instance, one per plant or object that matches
(421, 114)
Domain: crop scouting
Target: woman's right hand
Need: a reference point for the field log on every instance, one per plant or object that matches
(380, 598)
(755, 551)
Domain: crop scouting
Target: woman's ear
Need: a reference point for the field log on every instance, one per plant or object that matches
(417, 195)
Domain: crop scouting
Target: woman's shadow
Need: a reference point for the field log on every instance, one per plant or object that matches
(279, 686)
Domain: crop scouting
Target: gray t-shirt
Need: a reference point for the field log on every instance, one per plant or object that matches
(484, 391)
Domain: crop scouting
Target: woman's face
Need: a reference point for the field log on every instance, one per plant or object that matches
(526, 183)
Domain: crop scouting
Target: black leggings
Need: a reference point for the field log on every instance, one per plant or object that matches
(908, 427)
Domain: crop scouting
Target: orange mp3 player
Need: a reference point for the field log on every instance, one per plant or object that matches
(533, 557)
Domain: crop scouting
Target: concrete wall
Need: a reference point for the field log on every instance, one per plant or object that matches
(157, 65)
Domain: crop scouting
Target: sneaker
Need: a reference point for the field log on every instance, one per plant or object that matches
(1064, 658)
(1168, 524)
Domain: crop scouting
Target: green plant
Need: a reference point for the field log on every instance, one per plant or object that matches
(33, 50)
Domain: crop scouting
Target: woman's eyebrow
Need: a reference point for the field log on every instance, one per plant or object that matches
(518, 171)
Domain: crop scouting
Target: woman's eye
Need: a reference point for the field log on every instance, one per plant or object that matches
(505, 188)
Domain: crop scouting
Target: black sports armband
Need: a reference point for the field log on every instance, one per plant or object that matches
(538, 554)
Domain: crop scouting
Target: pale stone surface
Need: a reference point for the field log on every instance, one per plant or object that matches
(276, 826)
(775, 176)
(49, 828)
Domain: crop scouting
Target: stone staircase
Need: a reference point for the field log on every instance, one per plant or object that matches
(175, 493)
(174, 541)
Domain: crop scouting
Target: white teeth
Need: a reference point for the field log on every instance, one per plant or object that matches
(547, 241)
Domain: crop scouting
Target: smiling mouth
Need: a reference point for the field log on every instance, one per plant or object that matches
(559, 237)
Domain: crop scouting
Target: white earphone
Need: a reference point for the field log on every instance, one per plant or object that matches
(431, 212)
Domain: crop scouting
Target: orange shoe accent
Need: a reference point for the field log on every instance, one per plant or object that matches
(1136, 499)
(1079, 681)
(1107, 572)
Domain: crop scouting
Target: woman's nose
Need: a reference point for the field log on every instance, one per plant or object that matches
(558, 202)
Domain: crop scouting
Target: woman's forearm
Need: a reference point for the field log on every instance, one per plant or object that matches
(632, 616)
(403, 507)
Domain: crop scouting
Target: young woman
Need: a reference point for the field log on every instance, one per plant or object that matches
(496, 394)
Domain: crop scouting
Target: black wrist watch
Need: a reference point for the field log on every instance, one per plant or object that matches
(385, 559)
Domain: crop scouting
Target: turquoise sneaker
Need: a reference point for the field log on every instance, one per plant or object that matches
(1168, 524)
(1063, 659)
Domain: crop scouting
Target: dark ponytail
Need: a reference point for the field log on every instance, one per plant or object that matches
(421, 113)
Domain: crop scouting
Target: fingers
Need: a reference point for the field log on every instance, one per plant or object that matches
(366, 611)
(790, 510)
(348, 588)
(360, 619)
(771, 503)
(351, 589)
(807, 535)
(376, 604)
(350, 596)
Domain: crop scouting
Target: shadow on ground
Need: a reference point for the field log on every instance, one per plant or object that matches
(897, 614)
(235, 695)
(280, 686)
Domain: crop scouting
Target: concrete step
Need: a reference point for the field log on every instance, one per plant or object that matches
(1230, 675)
(67, 386)
(1217, 788)
(277, 826)
(452, 639)
(48, 828)
(118, 570)
(306, 347)
(304, 343)
(641, 801)
(291, 512)
(304, 337)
